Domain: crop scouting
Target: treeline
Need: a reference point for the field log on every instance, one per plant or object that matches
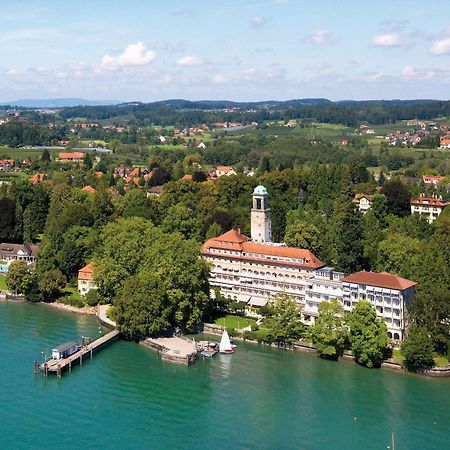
(17, 133)
(188, 113)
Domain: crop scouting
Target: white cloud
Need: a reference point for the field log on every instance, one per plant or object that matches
(134, 55)
(218, 79)
(386, 40)
(441, 47)
(321, 36)
(258, 21)
(248, 73)
(189, 61)
(412, 72)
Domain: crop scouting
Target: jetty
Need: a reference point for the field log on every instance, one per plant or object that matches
(59, 366)
(173, 349)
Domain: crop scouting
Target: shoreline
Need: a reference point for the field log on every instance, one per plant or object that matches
(87, 310)
(434, 373)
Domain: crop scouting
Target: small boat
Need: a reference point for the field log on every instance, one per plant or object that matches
(208, 353)
(225, 344)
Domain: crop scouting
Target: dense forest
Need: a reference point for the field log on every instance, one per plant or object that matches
(186, 113)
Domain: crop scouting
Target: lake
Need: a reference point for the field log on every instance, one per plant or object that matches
(258, 397)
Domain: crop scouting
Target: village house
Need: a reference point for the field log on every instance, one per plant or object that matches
(86, 280)
(429, 207)
(200, 144)
(71, 157)
(89, 189)
(254, 269)
(6, 164)
(363, 201)
(445, 142)
(432, 180)
(225, 170)
(155, 191)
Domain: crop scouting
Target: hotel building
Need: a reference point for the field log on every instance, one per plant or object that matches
(254, 269)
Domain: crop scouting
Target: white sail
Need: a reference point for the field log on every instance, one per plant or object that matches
(225, 344)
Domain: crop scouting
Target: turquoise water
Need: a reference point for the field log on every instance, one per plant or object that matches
(126, 398)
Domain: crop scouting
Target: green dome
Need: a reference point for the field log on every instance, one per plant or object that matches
(260, 190)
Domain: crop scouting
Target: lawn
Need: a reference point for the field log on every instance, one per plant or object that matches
(3, 286)
(440, 361)
(71, 296)
(237, 322)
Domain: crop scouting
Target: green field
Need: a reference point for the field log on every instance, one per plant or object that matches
(3, 286)
(236, 322)
(20, 153)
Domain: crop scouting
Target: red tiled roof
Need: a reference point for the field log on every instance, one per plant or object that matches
(224, 169)
(89, 189)
(71, 155)
(358, 197)
(86, 273)
(429, 201)
(383, 279)
(187, 177)
(236, 241)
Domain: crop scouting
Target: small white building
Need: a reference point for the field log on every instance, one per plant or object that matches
(86, 280)
(65, 350)
(428, 207)
(363, 201)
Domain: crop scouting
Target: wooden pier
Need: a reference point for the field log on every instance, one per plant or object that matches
(59, 366)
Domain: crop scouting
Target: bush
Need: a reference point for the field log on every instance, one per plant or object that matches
(71, 301)
(92, 298)
(250, 336)
(255, 327)
(232, 332)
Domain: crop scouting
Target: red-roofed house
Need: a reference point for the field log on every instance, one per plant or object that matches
(86, 280)
(429, 207)
(187, 177)
(89, 189)
(389, 295)
(433, 180)
(363, 201)
(225, 170)
(445, 142)
(38, 178)
(71, 156)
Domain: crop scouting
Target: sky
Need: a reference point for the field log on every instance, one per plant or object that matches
(148, 50)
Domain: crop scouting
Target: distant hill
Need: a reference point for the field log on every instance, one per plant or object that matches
(59, 102)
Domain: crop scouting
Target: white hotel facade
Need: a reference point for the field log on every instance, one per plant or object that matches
(254, 269)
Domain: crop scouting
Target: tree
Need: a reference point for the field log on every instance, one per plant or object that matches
(397, 197)
(379, 208)
(418, 349)
(349, 239)
(181, 219)
(20, 277)
(303, 235)
(400, 255)
(329, 334)
(285, 325)
(368, 335)
(7, 220)
(51, 284)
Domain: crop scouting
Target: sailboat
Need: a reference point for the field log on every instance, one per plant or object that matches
(225, 344)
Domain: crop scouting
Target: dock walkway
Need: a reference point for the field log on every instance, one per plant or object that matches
(60, 365)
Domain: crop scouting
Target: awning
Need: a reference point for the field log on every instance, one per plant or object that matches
(258, 301)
